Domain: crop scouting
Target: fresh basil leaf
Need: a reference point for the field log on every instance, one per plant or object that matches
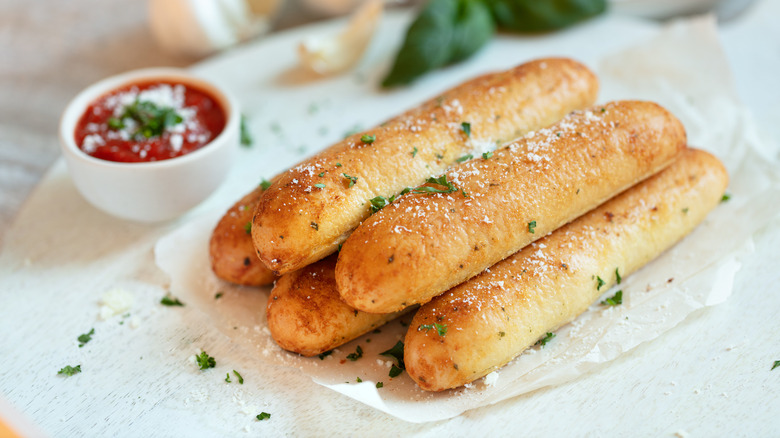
(542, 16)
(446, 31)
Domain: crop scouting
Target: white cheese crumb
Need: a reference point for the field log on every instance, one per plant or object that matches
(114, 302)
(491, 378)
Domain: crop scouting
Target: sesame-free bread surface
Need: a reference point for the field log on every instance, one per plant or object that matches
(306, 315)
(425, 243)
(231, 250)
(495, 316)
(313, 207)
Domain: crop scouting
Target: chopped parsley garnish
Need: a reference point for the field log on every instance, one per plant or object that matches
(150, 119)
(319, 185)
(378, 203)
(464, 158)
(777, 364)
(531, 227)
(315, 225)
(338, 164)
(599, 282)
(441, 329)
(466, 127)
(614, 300)
(685, 210)
(547, 338)
(352, 179)
(263, 416)
(69, 370)
(240, 379)
(205, 361)
(617, 275)
(246, 136)
(86, 337)
(265, 184)
(359, 380)
(248, 227)
(170, 301)
(487, 155)
(368, 139)
(440, 181)
(379, 385)
(397, 353)
(439, 156)
(725, 197)
(227, 377)
(356, 355)
(218, 295)
(323, 355)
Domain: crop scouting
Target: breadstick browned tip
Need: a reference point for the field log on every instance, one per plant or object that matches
(231, 250)
(307, 316)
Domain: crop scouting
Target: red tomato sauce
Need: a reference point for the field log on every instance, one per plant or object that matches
(97, 133)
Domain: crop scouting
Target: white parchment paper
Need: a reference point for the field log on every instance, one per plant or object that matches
(683, 69)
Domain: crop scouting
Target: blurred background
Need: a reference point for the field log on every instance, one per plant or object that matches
(51, 49)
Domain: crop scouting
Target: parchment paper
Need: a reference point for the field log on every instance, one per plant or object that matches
(683, 69)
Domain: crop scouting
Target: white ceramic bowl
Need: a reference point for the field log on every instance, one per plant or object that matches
(158, 190)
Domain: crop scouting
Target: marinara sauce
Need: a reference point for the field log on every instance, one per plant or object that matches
(149, 121)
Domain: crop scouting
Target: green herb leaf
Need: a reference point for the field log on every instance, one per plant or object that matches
(599, 282)
(397, 353)
(395, 371)
(218, 295)
(263, 416)
(440, 181)
(532, 227)
(414, 152)
(359, 380)
(487, 155)
(446, 31)
(378, 203)
(441, 329)
(614, 300)
(325, 354)
(265, 184)
(536, 16)
(170, 301)
(248, 227)
(725, 197)
(352, 179)
(547, 338)
(368, 139)
(69, 370)
(464, 158)
(227, 377)
(246, 136)
(240, 379)
(617, 276)
(151, 120)
(86, 337)
(205, 361)
(379, 385)
(356, 355)
(466, 127)
(315, 225)
(777, 364)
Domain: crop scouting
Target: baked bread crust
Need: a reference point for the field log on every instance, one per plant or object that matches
(313, 207)
(492, 318)
(423, 244)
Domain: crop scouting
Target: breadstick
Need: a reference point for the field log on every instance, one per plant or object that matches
(313, 207)
(484, 323)
(425, 243)
(231, 250)
(306, 315)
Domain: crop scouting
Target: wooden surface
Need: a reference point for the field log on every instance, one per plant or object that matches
(710, 376)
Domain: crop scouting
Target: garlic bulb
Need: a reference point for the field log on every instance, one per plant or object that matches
(198, 28)
(336, 53)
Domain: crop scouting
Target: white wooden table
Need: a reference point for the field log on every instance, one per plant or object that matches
(710, 376)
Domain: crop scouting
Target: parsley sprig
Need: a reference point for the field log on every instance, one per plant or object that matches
(441, 329)
(205, 361)
(86, 337)
(440, 181)
(614, 300)
(150, 118)
(69, 370)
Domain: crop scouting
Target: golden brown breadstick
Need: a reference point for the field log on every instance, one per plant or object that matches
(425, 243)
(305, 215)
(231, 250)
(306, 314)
(484, 323)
